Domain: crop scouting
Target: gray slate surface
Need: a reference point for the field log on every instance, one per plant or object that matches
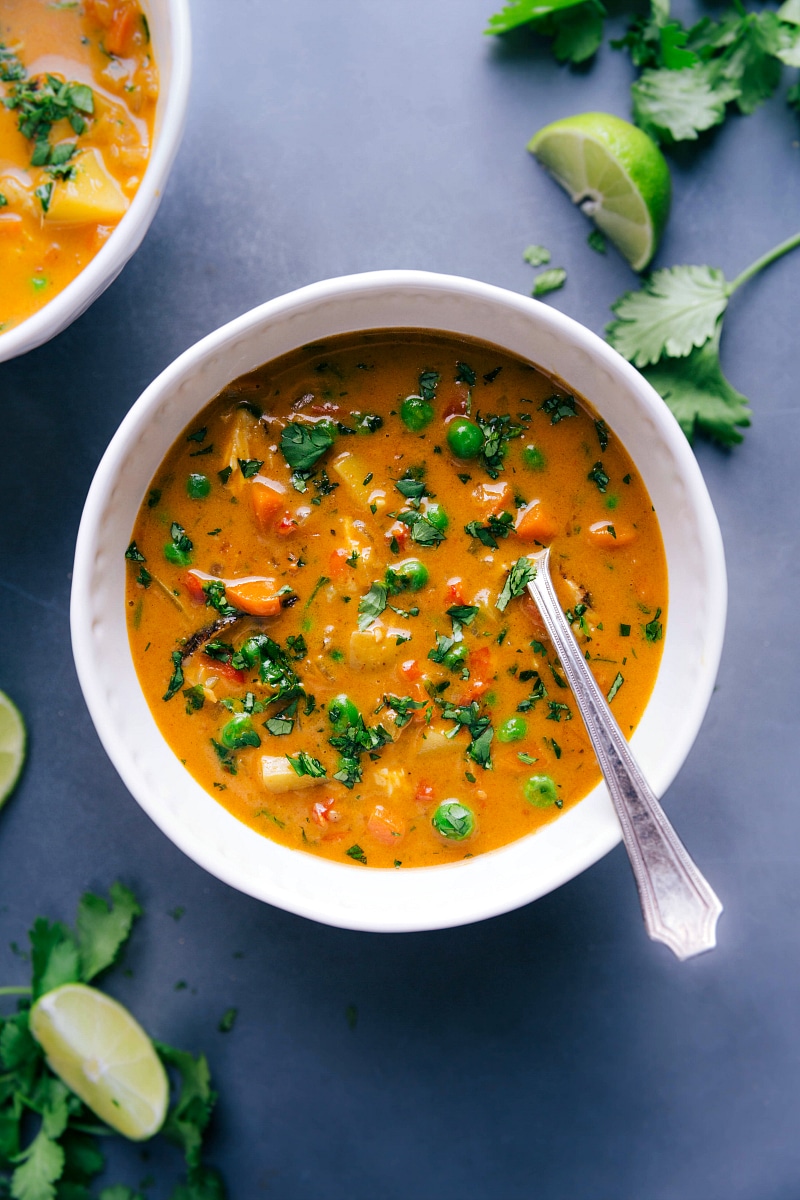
(553, 1052)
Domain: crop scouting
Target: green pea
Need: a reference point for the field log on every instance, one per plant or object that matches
(513, 729)
(239, 733)
(456, 657)
(342, 713)
(437, 516)
(251, 650)
(198, 487)
(464, 437)
(367, 422)
(540, 791)
(533, 458)
(409, 576)
(416, 413)
(453, 820)
(173, 554)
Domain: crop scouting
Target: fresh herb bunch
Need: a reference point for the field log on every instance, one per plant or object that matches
(691, 77)
(670, 328)
(49, 1146)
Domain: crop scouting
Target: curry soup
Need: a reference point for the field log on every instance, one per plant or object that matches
(79, 89)
(327, 606)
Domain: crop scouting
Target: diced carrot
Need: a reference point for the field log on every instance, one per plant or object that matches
(225, 669)
(337, 563)
(258, 597)
(455, 591)
(385, 826)
(424, 793)
(536, 524)
(194, 586)
(480, 663)
(410, 669)
(611, 535)
(455, 407)
(494, 498)
(399, 532)
(101, 11)
(268, 499)
(286, 526)
(322, 812)
(122, 29)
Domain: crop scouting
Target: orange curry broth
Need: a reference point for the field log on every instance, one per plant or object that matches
(46, 240)
(327, 547)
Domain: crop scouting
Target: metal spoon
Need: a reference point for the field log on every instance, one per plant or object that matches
(678, 905)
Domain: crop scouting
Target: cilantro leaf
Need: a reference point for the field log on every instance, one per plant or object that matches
(191, 1109)
(699, 395)
(102, 928)
(751, 64)
(676, 309)
(372, 605)
(55, 956)
(423, 531)
(575, 25)
(303, 445)
(42, 1164)
(677, 105)
(520, 575)
(549, 281)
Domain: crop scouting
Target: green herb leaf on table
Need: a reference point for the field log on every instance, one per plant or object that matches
(671, 328)
(549, 281)
(61, 1158)
(575, 26)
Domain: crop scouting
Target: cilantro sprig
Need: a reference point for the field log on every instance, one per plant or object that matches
(63, 1156)
(671, 327)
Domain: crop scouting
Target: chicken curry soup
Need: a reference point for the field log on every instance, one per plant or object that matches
(327, 605)
(78, 87)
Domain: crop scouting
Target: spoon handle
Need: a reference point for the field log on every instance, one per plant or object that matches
(678, 905)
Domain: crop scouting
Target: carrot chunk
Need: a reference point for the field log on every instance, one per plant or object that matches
(257, 597)
(611, 535)
(385, 826)
(268, 500)
(123, 26)
(536, 524)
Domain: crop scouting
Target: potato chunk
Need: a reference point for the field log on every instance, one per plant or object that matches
(278, 775)
(91, 197)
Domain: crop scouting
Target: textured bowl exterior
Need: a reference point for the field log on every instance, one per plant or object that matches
(429, 897)
(170, 32)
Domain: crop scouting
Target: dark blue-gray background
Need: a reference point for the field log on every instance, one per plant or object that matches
(553, 1052)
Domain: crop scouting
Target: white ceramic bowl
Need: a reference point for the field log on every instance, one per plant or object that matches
(172, 48)
(348, 895)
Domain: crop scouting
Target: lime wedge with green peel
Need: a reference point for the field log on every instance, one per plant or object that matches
(102, 1053)
(13, 740)
(615, 173)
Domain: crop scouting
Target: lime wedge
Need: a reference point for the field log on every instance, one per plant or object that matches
(13, 739)
(104, 1055)
(617, 175)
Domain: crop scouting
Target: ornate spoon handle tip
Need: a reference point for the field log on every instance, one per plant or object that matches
(679, 906)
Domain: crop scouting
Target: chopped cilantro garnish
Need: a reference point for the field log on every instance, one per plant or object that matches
(520, 575)
(372, 605)
(303, 445)
(302, 763)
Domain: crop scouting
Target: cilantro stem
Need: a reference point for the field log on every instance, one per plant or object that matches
(15, 991)
(765, 260)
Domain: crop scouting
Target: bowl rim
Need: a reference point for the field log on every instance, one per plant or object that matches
(209, 350)
(100, 271)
